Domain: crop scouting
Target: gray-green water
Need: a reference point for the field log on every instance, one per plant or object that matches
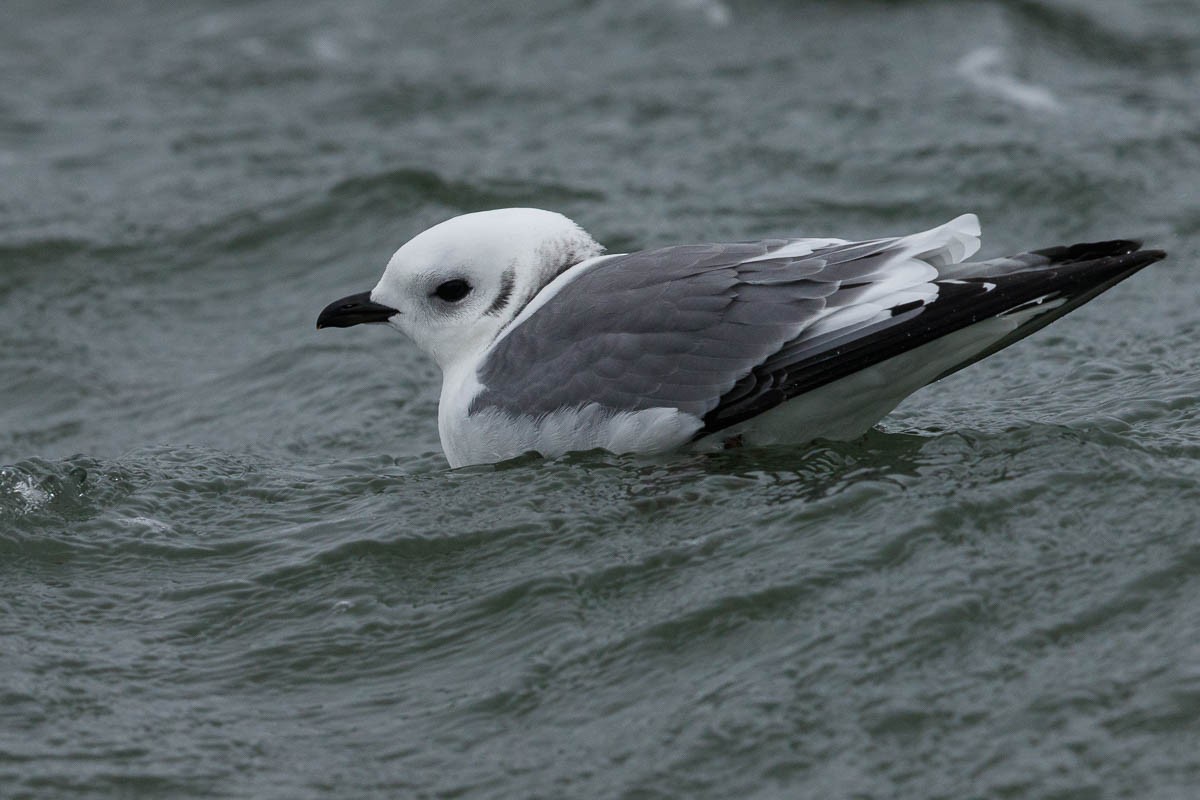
(233, 563)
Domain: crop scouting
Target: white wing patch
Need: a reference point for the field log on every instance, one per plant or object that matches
(947, 244)
(905, 278)
(861, 314)
(797, 248)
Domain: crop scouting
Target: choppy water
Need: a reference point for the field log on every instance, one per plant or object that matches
(233, 562)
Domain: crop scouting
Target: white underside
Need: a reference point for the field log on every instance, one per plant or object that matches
(844, 409)
(848, 408)
(489, 435)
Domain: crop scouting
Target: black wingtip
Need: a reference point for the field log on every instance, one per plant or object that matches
(1092, 251)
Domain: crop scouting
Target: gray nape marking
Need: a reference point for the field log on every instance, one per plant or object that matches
(507, 281)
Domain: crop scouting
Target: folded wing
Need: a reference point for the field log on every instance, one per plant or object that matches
(723, 332)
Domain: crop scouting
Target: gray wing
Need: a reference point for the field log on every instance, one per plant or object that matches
(714, 330)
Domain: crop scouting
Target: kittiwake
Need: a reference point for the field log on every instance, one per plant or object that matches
(548, 345)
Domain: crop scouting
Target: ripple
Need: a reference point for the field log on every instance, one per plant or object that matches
(1095, 35)
(235, 562)
(75, 489)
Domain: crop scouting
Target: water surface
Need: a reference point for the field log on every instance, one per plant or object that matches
(234, 562)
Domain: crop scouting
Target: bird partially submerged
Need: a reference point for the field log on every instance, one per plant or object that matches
(546, 345)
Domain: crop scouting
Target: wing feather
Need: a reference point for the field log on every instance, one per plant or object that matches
(712, 329)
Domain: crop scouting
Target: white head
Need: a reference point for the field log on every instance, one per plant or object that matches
(452, 288)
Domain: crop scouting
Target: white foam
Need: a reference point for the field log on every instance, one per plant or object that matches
(987, 70)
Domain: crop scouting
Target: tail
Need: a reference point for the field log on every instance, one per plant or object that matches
(1040, 286)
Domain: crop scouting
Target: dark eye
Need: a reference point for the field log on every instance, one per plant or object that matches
(453, 291)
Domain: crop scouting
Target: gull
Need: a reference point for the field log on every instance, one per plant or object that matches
(546, 344)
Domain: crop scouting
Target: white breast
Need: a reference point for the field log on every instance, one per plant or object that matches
(491, 435)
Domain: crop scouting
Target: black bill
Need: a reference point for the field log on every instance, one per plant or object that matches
(354, 310)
